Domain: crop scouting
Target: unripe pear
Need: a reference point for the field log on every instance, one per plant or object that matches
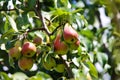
(75, 45)
(69, 34)
(17, 43)
(37, 40)
(28, 49)
(60, 47)
(15, 52)
(25, 63)
(49, 63)
(60, 68)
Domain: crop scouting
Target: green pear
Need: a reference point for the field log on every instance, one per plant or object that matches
(69, 34)
(60, 68)
(25, 63)
(60, 47)
(28, 49)
(49, 63)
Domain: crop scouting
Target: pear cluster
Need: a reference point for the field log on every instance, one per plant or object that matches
(70, 40)
(24, 54)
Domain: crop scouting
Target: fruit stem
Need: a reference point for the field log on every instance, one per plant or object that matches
(69, 71)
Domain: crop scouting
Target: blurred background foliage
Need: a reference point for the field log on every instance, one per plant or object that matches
(96, 21)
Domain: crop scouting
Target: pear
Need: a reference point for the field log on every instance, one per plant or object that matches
(37, 40)
(60, 68)
(60, 47)
(25, 63)
(15, 52)
(49, 63)
(28, 49)
(75, 45)
(69, 34)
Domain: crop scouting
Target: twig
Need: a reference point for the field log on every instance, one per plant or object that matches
(55, 29)
(36, 29)
(7, 9)
(39, 13)
(69, 71)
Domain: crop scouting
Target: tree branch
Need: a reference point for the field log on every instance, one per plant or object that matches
(39, 13)
(7, 9)
(69, 71)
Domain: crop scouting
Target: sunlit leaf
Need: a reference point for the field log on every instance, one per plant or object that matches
(19, 76)
(7, 34)
(102, 58)
(93, 70)
(12, 23)
(41, 76)
(6, 26)
(4, 76)
(87, 33)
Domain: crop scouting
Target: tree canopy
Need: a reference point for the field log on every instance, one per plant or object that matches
(59, 39)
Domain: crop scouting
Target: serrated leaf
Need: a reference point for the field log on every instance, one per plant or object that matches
(12, 23)
(93, 70)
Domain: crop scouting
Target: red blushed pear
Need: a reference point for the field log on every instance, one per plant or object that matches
(25, 63)
(70, 35)
(28, 49)
(60, 47)
(37, 40)
(15, 52)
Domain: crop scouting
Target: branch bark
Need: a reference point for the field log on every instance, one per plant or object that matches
(69, 71)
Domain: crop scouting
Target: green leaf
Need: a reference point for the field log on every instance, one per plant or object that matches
(41, 76)
(44, 75)
(11, 62)
(31, 3)
(12, 23)
(7, 34)
(35, 78)
(19, 76)
(102, 58)
(31, 14)
(87, 33)
(93, 70)
(4, 76)
(66, 3)
(6, 26)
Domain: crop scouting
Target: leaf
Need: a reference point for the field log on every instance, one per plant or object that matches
(4, 76)
(12, 23)
(102, 58)
(31, 14)
(19, 76)
(87, 33)
(6, 25)
(93, 70)
(41, 76)
(31, 3)
(66, 3)
(7, 34)
(44, 75)
(11, 62)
